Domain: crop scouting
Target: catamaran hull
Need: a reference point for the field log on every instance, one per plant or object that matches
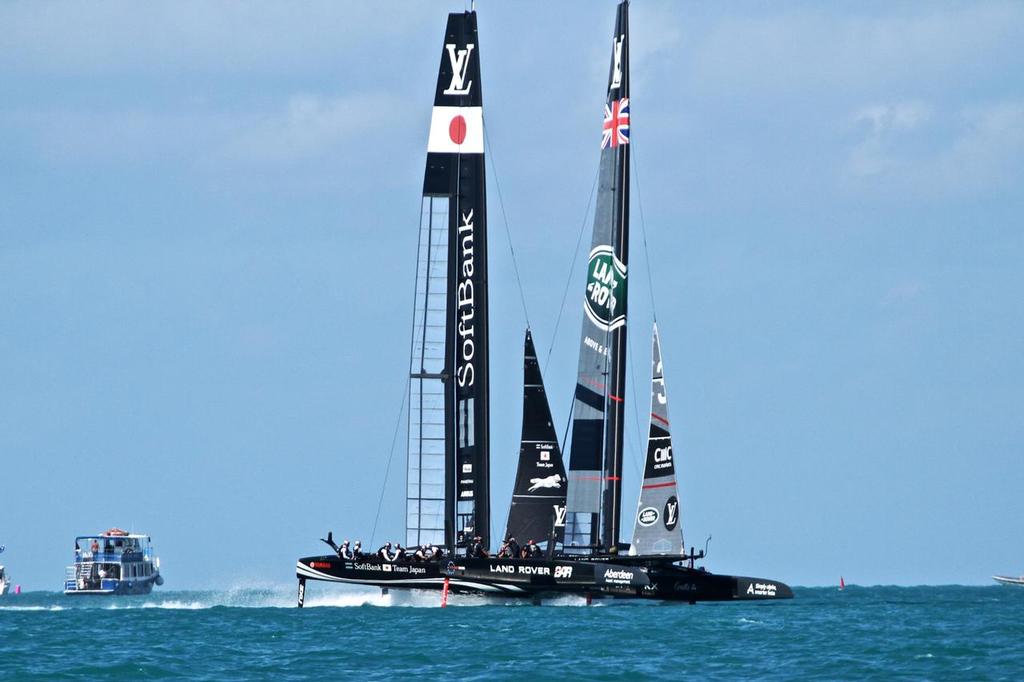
(528, 578)
(671, 581)
(536, 578)
(692, 585)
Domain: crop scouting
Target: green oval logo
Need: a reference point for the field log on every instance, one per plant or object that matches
(605, 302)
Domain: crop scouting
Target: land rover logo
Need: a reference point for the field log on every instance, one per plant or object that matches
(605, 303)
(671, 513)
(648, 516)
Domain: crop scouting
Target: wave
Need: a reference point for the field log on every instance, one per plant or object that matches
(269, 597)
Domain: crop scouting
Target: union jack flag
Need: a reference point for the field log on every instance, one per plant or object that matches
(616, 124)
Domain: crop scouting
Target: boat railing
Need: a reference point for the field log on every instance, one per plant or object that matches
(113, 557)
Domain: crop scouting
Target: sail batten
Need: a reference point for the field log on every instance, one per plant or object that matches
(595, 460)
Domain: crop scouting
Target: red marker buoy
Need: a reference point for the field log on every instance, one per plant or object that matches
(842, 583)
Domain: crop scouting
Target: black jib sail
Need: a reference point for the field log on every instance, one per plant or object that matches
(448, 467)
(538, 499)
(595, 459)
(657, 529)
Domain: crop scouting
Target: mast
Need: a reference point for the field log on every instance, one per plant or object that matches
(448, 467)
(657, 529)
(538, 499)
(595, 460)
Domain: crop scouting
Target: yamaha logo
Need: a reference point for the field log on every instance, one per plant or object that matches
(648, 516)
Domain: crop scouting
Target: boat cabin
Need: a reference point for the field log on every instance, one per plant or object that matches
(114, 562)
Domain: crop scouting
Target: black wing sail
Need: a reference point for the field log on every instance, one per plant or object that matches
(538, 499)
(657, 529)
(595, 457)
(448, 467)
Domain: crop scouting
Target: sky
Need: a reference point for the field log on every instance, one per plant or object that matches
(208, 217)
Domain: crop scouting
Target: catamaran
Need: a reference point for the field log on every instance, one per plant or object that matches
(448, 472)
(572, 516)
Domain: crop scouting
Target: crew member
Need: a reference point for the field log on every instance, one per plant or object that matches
(385, 551)
(357, 551)
(399, 552)
(532, 550)
(420, 554)
(513, 548)
(476, 550)
(344, 551)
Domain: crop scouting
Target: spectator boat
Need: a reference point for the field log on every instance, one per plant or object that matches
(114, 562)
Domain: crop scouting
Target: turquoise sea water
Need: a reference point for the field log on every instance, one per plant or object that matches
(877, 632)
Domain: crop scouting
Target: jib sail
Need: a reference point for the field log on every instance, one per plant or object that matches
(595, 456)
(657, 529)
(448, 467)
(538, 499)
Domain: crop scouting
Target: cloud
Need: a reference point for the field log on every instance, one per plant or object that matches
(902, 293)
(785, 51)
(884, 124)
(105, 37)
(311, 126)
(911, 146)
(305, 126)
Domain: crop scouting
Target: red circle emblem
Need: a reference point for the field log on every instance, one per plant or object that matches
(457, 129)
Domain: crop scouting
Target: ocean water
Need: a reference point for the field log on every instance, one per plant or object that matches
(245, 634)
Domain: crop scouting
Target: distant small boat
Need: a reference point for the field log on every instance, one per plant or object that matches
(842, 583)
(1007, 580)
(5, 581)
(114, 562)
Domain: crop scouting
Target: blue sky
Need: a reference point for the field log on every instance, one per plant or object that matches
(207, 234)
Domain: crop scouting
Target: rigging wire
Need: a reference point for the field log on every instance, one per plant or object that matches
(561, 307)
(504, 218)
(639, 452)
(572, 267)
(429, 203)
(643, 228)
(391, 455)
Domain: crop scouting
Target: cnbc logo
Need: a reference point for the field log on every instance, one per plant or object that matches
(605, 303)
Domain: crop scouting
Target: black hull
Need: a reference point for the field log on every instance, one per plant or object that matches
(530, 578)
(628, 577)
(672, 581)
